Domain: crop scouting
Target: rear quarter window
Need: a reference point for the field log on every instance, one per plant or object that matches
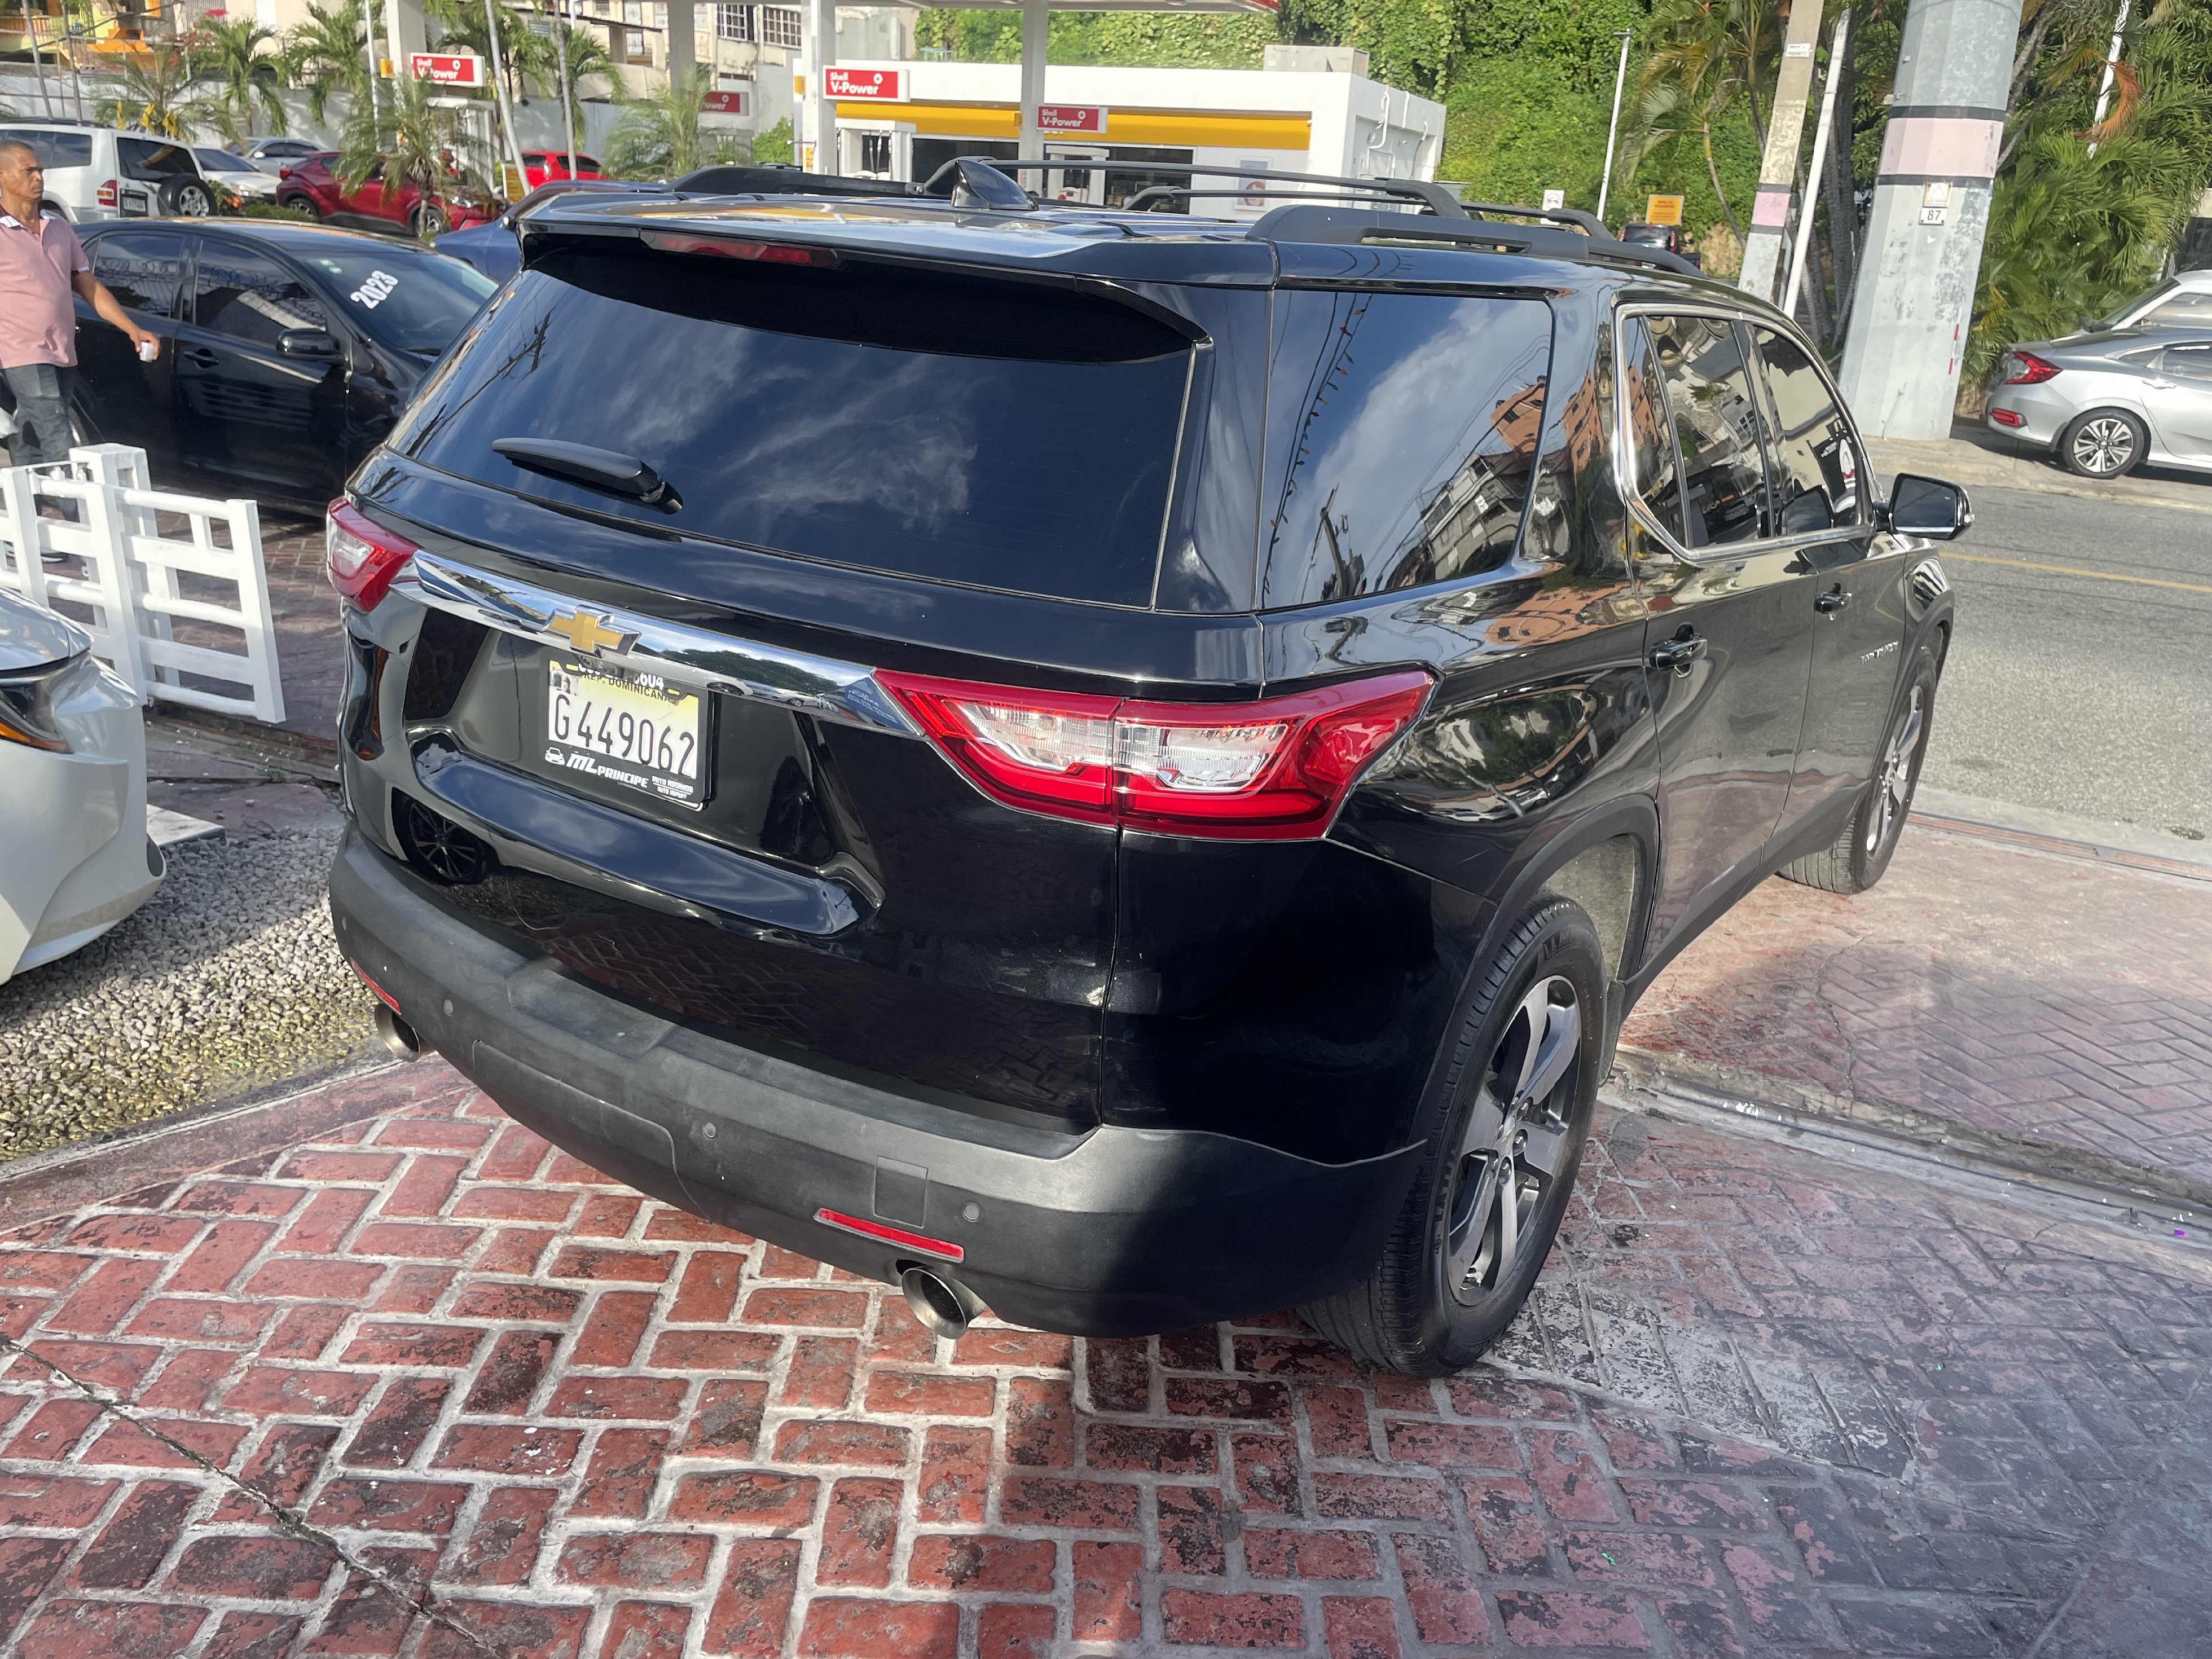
(1402, 430)
(1003, 436)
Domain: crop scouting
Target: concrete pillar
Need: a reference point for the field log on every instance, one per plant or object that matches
(404, 35)
(1036, 33)
(821, 55)
(1915, 295)
(1778, 167)
(681, 53)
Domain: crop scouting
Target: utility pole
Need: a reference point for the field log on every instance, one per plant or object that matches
(1036, 34)
(1619, 80)
(45, 92)
(1931, 207)
(1777, 169)
(821, 114)
(568, 99)
(2112, 63)
(368, 50)
(499, 93)
(1819, 160)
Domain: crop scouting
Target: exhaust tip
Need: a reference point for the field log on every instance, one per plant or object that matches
(944, 1306)
(398, 1035)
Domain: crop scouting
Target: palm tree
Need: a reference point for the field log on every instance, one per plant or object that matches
(659, 137)
(328, 53)
(156, 91)
(1706, 54)
(407, 136)
(232, 54)
(587, 56)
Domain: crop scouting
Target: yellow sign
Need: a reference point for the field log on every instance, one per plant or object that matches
(512, 180)
(1663, 210)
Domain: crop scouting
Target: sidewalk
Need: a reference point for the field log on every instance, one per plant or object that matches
(2056, 1001)
(422, 1387)
(1973, 454)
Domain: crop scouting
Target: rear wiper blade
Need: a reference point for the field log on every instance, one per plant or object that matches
(595, 468)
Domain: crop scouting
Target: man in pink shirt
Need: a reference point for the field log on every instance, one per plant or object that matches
(42, 265)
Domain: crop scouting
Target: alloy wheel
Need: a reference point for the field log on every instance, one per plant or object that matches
(1515, 1147)
(1899, 763)
(194, 204)
(2104, 445)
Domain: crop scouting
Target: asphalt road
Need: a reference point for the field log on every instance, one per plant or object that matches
(2082, 685)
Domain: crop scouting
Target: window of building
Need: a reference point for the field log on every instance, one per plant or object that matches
(778, 26)
(734, 23)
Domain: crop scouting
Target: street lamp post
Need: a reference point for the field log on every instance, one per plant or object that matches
(1619, 80)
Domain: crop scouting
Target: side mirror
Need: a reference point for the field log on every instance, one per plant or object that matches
(1928, 507)
(315, 344)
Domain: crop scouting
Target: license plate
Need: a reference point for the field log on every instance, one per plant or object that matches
(630, 729)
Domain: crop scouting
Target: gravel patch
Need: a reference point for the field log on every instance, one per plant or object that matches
(225, 982)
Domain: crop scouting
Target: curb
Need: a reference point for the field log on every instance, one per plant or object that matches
(198, 1139)
(2096, 1177)
(2032, 830)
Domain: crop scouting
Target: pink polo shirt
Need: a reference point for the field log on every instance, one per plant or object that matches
(38, 319)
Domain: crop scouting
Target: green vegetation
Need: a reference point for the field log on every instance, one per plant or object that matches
(1141, 39)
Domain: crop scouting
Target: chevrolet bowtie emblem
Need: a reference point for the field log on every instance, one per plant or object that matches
(586, 631)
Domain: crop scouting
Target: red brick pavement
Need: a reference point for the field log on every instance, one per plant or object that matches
(424, 1386)
(2052, 997)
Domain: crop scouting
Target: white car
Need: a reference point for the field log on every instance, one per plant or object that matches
(235, 174)
(2182, 301)
(96, 172)
(74, 859)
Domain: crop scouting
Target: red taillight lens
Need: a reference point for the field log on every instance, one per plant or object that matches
(2028, 369)
(2005, 417)
(731, 247)
(363, 555)
(1271, 770)
(107, 194)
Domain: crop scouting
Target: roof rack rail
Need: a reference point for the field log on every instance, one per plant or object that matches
(1302, 223)
(1434, 198)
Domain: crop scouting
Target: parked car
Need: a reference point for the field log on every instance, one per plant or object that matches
(314, 186)
(1667, 238)
(272, 155)
(235, 173)
(1119, 768)
(287, 350)
(2182, 301)
(542, 166)
(72, 791)
(2104, 405)
(95, 172)
(492, 247)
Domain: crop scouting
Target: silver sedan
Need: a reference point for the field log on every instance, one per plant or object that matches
(2106, 403)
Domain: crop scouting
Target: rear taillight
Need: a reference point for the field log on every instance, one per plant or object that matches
(731, 247)
(2006, 418)
(2028, 369)
(107, 194)
(1271, 770)
(363, 555)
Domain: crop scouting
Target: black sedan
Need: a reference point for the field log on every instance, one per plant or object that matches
(288, 350)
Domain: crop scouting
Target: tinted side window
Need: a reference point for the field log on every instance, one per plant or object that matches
(142, 158)
(1816, 472)
(54, 149)
(252, 298)
(1402, 432)
(1716, 428)
(1651, 449)
(2182, 311)
(2190, 362)
(141, 269)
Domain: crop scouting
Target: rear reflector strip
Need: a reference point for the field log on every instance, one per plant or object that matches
(382, 995)
(898, 1236)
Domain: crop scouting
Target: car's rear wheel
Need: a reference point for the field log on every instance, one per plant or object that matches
(2105, 443)
(430, 221)
(301, 203)
(1505, 1130)
(1855, 861)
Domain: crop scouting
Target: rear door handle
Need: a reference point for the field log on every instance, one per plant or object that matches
(1832, 601)
(1678, 654)
(199, 356)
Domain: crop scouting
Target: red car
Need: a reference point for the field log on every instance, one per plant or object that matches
(541, 166)
(312, 183)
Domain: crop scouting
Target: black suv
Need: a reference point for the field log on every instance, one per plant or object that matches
(1116, 766)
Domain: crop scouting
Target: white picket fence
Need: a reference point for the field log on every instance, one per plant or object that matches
(130, 585)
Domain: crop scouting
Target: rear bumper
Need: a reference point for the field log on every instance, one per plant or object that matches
(1107, 1231)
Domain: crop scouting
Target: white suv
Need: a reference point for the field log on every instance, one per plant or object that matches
(96, 172)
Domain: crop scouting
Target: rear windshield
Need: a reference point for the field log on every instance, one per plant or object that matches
(1000, 434)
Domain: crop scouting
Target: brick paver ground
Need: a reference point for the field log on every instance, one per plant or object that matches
(2052, 997)
(424, 1386)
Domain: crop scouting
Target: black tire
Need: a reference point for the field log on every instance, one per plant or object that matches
(1862, 850)
(188, 198)
(2103, 443)
(304, 204)
(429, 222)
(1406, 1316)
